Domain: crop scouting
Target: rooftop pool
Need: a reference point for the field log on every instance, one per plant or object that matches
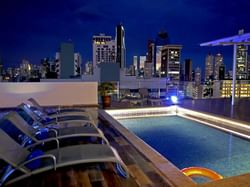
(188, 143)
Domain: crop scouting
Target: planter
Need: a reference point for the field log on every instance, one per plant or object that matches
(106, 101)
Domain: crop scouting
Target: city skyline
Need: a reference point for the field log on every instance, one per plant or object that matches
(35, 30)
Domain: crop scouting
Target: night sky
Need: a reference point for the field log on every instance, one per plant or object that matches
(34, 29)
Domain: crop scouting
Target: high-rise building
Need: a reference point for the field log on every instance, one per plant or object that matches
(120, 46)
(209, 70)
(170, 61)
(182, 72)
(222, 72)
(57, 61)
(78, 64)
(161, 40)
(142, 62)
(135, 63)
(157, 65)
(197, 76)
(25, 68)
(218, 59)
(242, 88)
(151, 56)
(229, 74)
(148, 67)
(132, 71)
(248, 66)
(66, 60)
(88, 68)
(49, 69)
(188, 70)
(241, 62)
(103, 49)
(1, 67)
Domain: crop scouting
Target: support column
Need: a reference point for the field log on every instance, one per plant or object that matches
(234, 74)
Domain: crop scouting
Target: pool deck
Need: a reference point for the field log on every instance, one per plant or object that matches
(147, 168)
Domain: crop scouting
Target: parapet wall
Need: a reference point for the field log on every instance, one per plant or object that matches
(49, 93)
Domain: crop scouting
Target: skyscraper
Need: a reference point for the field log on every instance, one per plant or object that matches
(241, 62)
(142, 62)
(149, 64)
(188, 70)
(103, 49)
(248, 66)
(66, 65)
(88, 68)
(209, 70)
(222, 72)
(161, 40)
(135, 63)
(157, 65)
(1, 67)
(218, 59)
(25, 68)
(78, 64)
(170, 61)
(120, 46)
(197, 76)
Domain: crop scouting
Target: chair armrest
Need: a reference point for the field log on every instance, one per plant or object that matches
(52, 157)
(53, 130)
(104, 140)
(40, 142)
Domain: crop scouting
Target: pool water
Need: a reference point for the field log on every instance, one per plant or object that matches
(188, 143)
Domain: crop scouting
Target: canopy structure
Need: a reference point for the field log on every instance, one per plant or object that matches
(240, 39)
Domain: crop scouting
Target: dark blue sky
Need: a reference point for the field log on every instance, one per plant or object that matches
(34, 29)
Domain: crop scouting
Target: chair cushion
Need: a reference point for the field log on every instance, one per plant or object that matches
(36, 163)
(42, 134)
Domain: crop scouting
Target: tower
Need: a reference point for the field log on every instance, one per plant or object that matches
(103, 49)
(209, 66)
(222, 72)
(197, 76)
(170, 62)
(66, 62)
(241, 62)
(120, 46)
(135, 63)
(77, 64)
(218, 59)
(188, 70)
(161, 40)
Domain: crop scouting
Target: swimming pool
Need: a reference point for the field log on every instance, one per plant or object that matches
(188, 143)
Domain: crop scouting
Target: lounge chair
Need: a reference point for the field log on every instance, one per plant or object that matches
(29, 163)
(54, 111)
(36, 134)
(58, 113)
(46, 120)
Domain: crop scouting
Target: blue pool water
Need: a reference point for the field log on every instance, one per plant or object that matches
(188, 143)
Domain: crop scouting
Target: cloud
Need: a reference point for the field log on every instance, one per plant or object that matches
(88, 16)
